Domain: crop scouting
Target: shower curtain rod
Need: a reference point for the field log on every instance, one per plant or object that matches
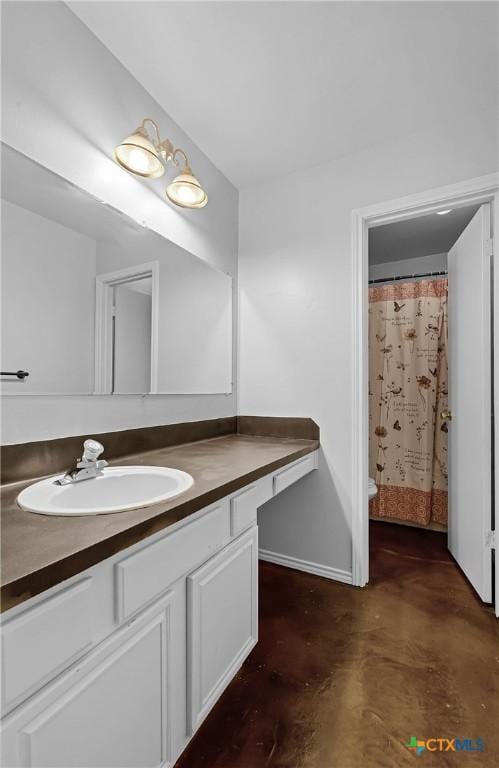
(407, 277)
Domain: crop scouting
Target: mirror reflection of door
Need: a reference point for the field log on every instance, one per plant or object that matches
(126, 330)
(131, 337)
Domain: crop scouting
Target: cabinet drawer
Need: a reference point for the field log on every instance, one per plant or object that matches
(265, 490)
(145, 575)
(244, 504)
(291, 474)
(40, 642)
(243, 508)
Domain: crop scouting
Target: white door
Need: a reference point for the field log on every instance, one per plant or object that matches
(470, 430)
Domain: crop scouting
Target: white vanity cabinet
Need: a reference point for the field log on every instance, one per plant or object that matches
(118, 666)
(222, 622)
(110, 709)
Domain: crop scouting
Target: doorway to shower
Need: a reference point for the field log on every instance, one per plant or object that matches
(421, 346)
(461, 414)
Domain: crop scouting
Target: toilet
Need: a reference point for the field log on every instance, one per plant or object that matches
(371, 489)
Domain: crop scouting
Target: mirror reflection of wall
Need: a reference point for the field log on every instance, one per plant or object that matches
(166, 322)
(48, 286)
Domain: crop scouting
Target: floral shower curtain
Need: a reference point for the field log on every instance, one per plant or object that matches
(407, 393)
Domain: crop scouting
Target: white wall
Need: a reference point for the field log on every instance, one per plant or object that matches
(48, 298)
(66, 103)
(295, 276)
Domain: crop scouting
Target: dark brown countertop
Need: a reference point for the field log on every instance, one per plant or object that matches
(39, 551)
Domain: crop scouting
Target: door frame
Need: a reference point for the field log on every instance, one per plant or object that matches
(104, 285)
(483, 189)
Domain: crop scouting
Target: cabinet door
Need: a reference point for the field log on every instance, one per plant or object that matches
(222, 622)
(109, 710)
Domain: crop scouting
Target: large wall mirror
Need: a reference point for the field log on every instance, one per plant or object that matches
(94, 303)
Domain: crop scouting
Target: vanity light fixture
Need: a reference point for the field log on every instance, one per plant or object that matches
(185, 190)
(147, 157)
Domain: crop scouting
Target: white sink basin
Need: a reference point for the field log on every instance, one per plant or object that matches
(118, 489)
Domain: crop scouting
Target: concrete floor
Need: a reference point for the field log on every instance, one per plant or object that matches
(343, 677)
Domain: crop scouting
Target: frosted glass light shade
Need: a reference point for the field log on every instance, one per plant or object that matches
(186, 191)
(138, 155)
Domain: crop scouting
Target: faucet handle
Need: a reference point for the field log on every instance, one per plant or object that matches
(92, 449)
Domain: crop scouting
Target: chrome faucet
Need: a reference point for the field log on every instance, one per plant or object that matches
(88, 466)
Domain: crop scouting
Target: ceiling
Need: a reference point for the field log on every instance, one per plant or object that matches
(266, 88)
(421, 236)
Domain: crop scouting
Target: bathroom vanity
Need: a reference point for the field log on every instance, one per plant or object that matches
(118, 663)
(121, 630)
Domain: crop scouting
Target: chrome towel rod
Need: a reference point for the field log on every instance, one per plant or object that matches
(19, 374)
